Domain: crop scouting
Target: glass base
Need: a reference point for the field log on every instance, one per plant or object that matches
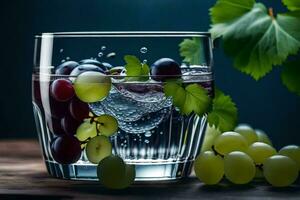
(157, 171)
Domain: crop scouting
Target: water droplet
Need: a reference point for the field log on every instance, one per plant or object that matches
(147, 141)
(111, 55)
(145, 61)
(63, 60)
(143, 50)
(100, 54)
(61, 50)
(148, 134)
(68, 58)
(103, 48)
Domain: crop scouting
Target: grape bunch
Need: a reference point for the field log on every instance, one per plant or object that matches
(77, 129)
(244, 154)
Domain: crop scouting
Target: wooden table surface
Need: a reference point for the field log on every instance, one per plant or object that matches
(23, 176)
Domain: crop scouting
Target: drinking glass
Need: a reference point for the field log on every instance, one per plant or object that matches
(151, 132)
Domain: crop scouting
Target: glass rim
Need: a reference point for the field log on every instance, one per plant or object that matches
(123, 34)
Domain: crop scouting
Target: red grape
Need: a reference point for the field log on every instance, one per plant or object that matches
(66, 149)
(62, 90)
(54, 125)
(78, 109)
(69, 124)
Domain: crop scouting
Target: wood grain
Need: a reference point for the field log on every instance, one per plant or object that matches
(23, 176)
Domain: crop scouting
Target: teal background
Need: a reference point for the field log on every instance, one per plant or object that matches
(265, 104)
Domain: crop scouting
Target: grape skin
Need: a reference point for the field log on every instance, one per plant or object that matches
(86, 130)
(230, 141)
(209, 168)
(107, 125)
(239, 167)
(246, 131)
(263, 137)
(293, 152)
(92, 86)
(259, 152)
(114, 173)
(98, 148)
(280, 171)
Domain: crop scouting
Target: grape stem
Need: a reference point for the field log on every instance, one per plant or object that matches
(271, 13)
(216, 152)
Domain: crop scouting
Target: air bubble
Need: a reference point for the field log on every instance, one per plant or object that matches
(61, 50)
(68, 58)
(103, 48)
(145, 61)
(143, 50)
(111, 55)
(147, 141)
(100, 54)
(63, 60)
(161, 133)
(148, 134)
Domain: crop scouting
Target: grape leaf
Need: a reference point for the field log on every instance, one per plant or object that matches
(134, 67)
(290, 76)
(220, 12)
(293, 5)
(224, 113)
(191, 50)
(256, 41)
(192, 98)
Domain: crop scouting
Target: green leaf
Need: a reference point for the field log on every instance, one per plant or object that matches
(224, 112)
(257, 41)
(293, 5)
(192, 98)
(134, 67)
(227, 10)
(192, 51)
(290, 76)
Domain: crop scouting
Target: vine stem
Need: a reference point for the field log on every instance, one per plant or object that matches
(271, 13)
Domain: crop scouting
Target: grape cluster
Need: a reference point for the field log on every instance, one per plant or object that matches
(76, 128)
(244, 154)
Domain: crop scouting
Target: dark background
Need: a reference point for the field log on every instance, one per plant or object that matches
(265, 104)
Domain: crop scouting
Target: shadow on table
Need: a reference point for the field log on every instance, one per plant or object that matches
(33, 197)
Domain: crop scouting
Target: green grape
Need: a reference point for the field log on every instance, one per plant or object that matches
(259, 152)
(92, 86)
(129, 176)
(211, 134)
(293, 152)
(230, 141)
(247, 132)
(209, 168)
(239, 167)
(107, 125)
(263, 137)
(114, 173)
(98, 148)
(280, 171)
(86, 130)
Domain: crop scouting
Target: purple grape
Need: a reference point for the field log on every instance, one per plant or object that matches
(84, 68)
(94, 62)
(78, 109)
(165, 68)
(57, 109)
(69, 124)
(62, 90)
(54, 125)
(66, 149)
(66, 68)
